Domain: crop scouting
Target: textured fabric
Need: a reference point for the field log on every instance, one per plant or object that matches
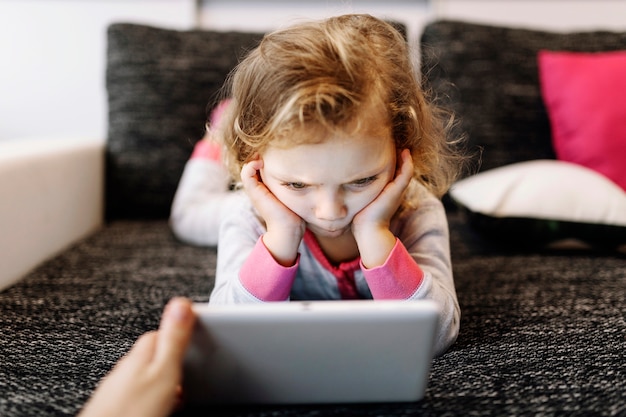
(584, 96)
(488, 76)
(541, 333)
(65, 325)
(160, 83)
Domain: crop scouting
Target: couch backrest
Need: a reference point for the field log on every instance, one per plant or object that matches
(488, 76)
(160, 85)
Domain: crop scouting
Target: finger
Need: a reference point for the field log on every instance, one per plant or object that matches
(175, 332)
(394, 191)
(253, 185)
(142, 351)
(250, 170)
(144, 346)
(405, 167)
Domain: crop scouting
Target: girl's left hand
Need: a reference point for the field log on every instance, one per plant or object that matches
(370, 226)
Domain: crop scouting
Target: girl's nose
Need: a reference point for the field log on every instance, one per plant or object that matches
(330, 206)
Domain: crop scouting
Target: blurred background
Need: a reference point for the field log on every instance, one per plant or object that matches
(52, 71)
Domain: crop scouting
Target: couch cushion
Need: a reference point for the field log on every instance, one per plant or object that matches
(584, 95)
(543, 202)
(488, 75)
(159, 83)
(540, 335)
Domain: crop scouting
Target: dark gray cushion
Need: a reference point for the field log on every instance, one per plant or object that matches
(541, 335)
(159, 83)
(488, 76)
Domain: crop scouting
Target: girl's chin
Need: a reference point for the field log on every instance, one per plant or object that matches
(328, 233)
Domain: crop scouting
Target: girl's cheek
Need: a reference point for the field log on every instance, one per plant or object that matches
(366, 201)
(286, 199)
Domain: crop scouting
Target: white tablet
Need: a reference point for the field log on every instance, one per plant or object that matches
(304, 352)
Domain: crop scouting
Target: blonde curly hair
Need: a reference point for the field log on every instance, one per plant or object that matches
(324, 74)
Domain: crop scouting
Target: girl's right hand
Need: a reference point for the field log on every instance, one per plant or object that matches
(284, 227)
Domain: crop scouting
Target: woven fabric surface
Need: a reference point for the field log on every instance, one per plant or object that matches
(161, 85)
(541, 333)
(488, 75)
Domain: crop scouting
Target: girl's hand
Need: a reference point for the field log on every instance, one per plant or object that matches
(370, 226)
(284, 228)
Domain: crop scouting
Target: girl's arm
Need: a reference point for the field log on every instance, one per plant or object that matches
(203, 186)
(197, 206)
(419, 267)
(258, 249)
(371, 226)
(246, 271)
(284, 228)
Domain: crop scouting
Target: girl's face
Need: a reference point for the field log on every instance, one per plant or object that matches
(327, 182)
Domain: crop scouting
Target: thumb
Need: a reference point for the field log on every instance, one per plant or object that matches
(175, 331)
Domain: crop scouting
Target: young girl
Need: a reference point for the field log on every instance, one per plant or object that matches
(342, 161)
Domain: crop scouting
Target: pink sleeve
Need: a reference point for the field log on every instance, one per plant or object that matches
(218, 112)
(265, 278)
(207, 149)
(398, 278)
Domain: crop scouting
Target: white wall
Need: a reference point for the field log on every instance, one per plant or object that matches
(53, 51)
(53, 61)
(555, 15)
(270, 14)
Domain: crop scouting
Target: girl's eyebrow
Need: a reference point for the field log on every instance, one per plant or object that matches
(368, 174)
(287, 178)
(283, 176)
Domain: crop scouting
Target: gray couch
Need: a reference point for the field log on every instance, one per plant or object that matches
(542, 328)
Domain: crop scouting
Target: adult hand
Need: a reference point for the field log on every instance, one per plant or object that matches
(146, 382)
(284, 227)
(370, 226)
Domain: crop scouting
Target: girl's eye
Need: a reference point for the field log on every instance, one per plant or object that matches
(295, 185)
(364, 181)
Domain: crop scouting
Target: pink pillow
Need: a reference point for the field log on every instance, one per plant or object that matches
(585, 96)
